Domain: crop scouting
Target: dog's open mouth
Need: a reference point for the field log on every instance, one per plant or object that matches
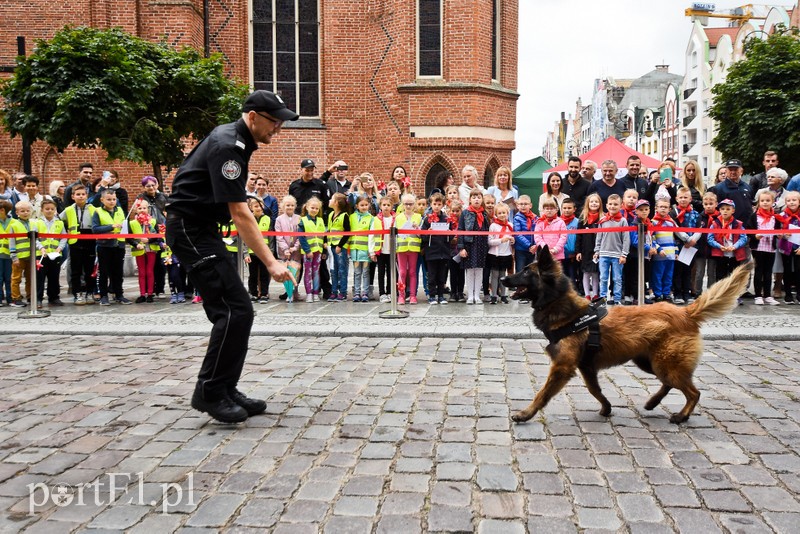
(520, 290)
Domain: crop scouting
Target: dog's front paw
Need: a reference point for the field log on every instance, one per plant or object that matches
(520, 417)
(605, 411)
(650, 405)
(678, 418)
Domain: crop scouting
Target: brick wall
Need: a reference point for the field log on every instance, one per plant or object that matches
(370, 95)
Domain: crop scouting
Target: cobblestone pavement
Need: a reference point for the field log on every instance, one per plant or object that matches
(395, 435)
(342, 319)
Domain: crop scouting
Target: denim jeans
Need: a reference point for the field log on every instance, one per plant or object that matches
(609, 263)
(341, 265)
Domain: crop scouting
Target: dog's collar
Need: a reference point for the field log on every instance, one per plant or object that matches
(596, 312)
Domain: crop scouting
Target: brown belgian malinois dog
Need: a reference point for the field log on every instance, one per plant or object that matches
(662, 339)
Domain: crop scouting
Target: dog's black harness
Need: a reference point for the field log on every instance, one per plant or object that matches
(590, 320)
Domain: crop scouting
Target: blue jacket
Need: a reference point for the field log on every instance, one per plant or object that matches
(741, 194)
(524, 241)
(690, 220)
(569, 248)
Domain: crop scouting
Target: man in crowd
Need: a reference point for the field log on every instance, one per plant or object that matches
(588, 170)
(632, 179)
(575, 185)
(609, 185)
(735, 189)
(336, 179)
(759, 181)
(85, 171)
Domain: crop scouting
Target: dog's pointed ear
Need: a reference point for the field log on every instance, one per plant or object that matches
(544, 259)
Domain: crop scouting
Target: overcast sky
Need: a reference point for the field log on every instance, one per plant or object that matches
(564, 45)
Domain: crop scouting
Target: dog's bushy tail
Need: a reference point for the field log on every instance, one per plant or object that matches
(720, 298)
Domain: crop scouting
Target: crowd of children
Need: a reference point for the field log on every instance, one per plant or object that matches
(468, 267)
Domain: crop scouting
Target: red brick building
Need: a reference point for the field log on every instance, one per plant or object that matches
(427, 84)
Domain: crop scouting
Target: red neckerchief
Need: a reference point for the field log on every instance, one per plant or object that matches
(786, 217)
(609, 217)
(393, 215)
(714, 215)
(658, 220)
(567, 220)
(728, 235)
(531, 219)
(625, 213)
(547, 221)
(478, 215)
(453, 220)
(504, 226)
(682, 212)
(645, 221)
(766, 214)
(592, 217)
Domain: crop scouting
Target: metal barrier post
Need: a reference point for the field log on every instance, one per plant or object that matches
(34, 312)
(393, 313)
(641, 232)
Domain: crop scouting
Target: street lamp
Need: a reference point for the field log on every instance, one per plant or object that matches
(571, 145)
(637, 122)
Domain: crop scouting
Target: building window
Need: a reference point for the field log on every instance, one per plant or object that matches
(655, 146)
(429, 37)
(286, 52)
(496, 40)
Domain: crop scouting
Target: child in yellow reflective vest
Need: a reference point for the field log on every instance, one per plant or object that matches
(258, 281)
(339, 221)
(20, 251)
(313, 246)
(360, 221)
(145, 250)
(408, 247)
(51, 250)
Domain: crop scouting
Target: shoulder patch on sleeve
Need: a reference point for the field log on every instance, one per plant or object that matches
(240, 144)
(231, 169)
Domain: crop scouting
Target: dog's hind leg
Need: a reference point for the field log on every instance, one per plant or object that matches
(656, 399)
(590, 379)
(556, 380)
(692, 395)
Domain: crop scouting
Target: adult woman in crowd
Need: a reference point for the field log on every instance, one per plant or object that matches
(156, 199)
(57, 194)
(5, 185)
(722, 173)
(662, 187)
(469, 181)
(503, 189)
(553, 191)
(776, 178)
(443, 180)
(692, 178)
(364, 185)
(400, 176)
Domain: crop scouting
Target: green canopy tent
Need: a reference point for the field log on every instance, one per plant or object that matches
(528, 178)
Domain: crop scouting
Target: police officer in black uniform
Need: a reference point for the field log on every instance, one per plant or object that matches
(208, 189)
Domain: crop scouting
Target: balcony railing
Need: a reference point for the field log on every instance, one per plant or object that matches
(687, 120)
(688, 92)
(687, 147)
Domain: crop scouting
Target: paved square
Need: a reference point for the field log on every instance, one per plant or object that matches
(389, 435)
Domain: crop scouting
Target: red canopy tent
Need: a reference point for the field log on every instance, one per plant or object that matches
(609, 149)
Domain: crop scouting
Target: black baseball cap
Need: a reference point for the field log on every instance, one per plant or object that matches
(733, 163)
(270, 103)
(306, 163)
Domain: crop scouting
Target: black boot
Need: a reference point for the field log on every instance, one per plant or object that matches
(224, 410)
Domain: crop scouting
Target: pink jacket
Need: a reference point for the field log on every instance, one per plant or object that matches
(290, 243)
(551, 240)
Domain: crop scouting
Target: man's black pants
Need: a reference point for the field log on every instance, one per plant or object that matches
(200, 249)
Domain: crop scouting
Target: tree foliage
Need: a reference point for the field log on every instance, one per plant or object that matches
(136, 99)
(757, 108)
